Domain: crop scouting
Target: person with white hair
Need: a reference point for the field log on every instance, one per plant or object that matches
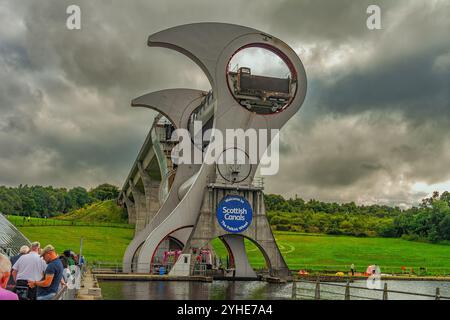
(23, 250)
(29, 267)
(5, 268)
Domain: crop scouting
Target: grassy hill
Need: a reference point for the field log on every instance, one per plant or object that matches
(103, 226)
(103, 211)
(99, 243)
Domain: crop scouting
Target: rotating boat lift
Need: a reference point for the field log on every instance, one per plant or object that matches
(181, 201)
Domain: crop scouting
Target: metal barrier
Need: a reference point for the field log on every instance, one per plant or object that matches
(62, 294)
(315, 291)
(109, 267)
(197, 269)
(417, 270)
(117, 267)
(66, 293)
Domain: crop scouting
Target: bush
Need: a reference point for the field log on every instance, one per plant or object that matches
(274, 220)
(297, 229)
(283, 227)
(410, 237)
(388, 231)
(360, 234)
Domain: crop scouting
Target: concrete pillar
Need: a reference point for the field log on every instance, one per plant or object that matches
(131, 209)
(151, 190)
(237, 247)
(261, 233)
(141, 208)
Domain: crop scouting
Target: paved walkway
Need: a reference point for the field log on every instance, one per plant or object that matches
(89, 288)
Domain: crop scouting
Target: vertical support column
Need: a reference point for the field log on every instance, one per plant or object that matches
(131, 209)
(261, 233)
(385, 291)
(347, 291)
(141, 208)
(151, 190)
(237, 247)
(317, 291)
(438, 294)
(294, 290)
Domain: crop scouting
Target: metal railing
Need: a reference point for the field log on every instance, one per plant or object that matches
(117, 267)
(70, 294)
(113, 267)
(314, 290)
(62, 294)
(66, 294)
(197, 269)
(414, 270)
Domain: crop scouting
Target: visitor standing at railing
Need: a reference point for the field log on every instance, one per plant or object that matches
(23, 250)
(29, 267)
(5, 267)
(82, 264)
(48, 288)
(66, 270)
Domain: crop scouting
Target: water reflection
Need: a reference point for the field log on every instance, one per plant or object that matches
(256, 290)
(191, 290)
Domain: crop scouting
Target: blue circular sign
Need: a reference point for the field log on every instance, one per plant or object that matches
(234, 214)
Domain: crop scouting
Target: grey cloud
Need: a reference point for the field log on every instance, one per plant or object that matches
(442, 63)
(377, 118)
(344, 155)
(323, 20)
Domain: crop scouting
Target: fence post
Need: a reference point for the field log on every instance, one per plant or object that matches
(347, 291)
(317, 293)
(385, 292)
(294, 290)
(438, 294)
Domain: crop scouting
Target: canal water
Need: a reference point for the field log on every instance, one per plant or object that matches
(259, 290)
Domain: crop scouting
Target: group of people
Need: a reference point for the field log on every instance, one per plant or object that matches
(36, 273)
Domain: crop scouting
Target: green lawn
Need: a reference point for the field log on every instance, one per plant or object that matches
(99, 243)
(336, 253)
(301, 251)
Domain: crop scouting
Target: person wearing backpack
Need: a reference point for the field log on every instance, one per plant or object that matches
(29, 267)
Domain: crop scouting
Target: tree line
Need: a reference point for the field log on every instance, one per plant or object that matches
(429, 221)
(39, 201)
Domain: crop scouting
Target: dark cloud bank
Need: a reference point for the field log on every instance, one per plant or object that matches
(374, 124)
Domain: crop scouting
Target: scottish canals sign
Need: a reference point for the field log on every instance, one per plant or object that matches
(234, 214)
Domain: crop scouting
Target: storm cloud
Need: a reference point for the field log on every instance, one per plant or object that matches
(373, 127)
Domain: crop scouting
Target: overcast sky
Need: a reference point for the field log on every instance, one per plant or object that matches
(374, 127)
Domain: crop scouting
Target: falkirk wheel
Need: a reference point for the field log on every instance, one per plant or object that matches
(179, 208)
